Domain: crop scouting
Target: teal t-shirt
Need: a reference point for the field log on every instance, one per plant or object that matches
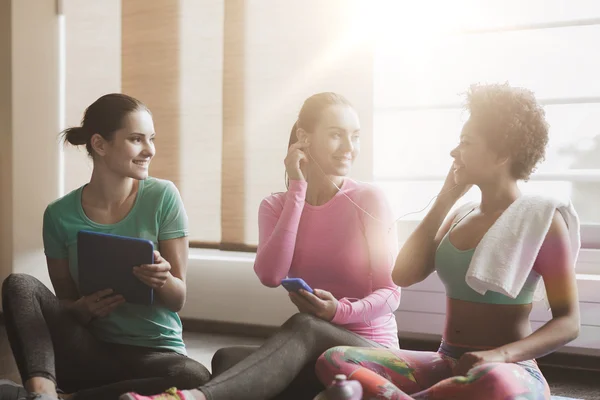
(157, 214)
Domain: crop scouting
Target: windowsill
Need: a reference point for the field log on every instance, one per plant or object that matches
(221, 255)
(223, 287)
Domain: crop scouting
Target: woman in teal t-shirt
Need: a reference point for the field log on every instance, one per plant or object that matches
(99, 346)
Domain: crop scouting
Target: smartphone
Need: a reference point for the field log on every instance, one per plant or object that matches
(295, 284)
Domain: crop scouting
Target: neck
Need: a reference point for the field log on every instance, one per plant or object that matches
(107, 190)
(320, 188)
(498, 195)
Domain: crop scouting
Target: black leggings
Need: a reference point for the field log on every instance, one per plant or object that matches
(283, 367)
(47, 341)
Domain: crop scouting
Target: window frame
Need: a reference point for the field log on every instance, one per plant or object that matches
(590, 232)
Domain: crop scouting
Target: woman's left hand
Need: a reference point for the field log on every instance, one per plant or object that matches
(321, 304)
(473, 359)
(154, 275)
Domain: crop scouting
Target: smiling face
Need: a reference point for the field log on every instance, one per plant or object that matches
(131, 148)
(475, 161)
(335, 139)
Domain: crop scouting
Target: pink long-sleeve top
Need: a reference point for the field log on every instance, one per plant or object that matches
(335, 247)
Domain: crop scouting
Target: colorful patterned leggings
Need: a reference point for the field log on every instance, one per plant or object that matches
(394, 374)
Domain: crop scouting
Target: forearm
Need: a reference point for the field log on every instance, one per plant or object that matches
(172, 294)
(69, 304)
(553, 335)
(273, 262)
(381, 302)
(75, 308)
(416, 258)
(276, 246)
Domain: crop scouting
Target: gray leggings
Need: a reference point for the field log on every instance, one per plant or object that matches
(47, 341)
(283, 367)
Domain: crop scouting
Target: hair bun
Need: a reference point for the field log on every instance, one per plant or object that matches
(77, 136)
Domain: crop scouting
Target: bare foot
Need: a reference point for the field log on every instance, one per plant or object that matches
(42, 386)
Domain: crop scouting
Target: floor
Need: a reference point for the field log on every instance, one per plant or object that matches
(563, 382)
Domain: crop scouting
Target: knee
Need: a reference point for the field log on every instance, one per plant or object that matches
(221, 357)
(495, 374)
(189, 374)
(18, 284)
(335, 354)
(330, 363)
(227, 357)
(304, 322)
(309, 326)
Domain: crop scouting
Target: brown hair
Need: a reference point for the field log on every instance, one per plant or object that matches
(104, 117)
(311, 112)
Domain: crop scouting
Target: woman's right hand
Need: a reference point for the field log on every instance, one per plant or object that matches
(97, 305)
(451, 191)
(294, 159)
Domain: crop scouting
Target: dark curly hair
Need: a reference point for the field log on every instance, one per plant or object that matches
(512, 121)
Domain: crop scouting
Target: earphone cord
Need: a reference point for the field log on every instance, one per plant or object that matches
(369, 214)
(378, 220)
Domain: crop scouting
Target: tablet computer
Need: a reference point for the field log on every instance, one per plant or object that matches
(106, 261)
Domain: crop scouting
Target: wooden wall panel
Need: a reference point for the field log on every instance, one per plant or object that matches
(233, 192)
(151, 72)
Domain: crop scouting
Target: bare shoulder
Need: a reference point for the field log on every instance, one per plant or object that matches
(557, 235)
(452, 217)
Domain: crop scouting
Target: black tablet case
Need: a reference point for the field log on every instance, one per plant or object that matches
(106, 261)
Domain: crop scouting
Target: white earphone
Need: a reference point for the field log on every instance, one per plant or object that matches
(376, 219)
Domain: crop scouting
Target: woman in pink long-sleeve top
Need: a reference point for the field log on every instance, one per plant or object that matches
(335, 233)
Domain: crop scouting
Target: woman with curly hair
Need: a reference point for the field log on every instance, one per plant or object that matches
(488, 348)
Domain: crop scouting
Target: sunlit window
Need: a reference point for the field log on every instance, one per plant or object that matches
(427, 53)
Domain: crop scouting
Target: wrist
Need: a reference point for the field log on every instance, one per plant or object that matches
(334, 310)
(444, 202)
(295, 177)
(73, 305)
(340, 313)
(297, 190)
(79, 311)
(503, 354)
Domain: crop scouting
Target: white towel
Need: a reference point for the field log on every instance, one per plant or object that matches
(505, 255)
